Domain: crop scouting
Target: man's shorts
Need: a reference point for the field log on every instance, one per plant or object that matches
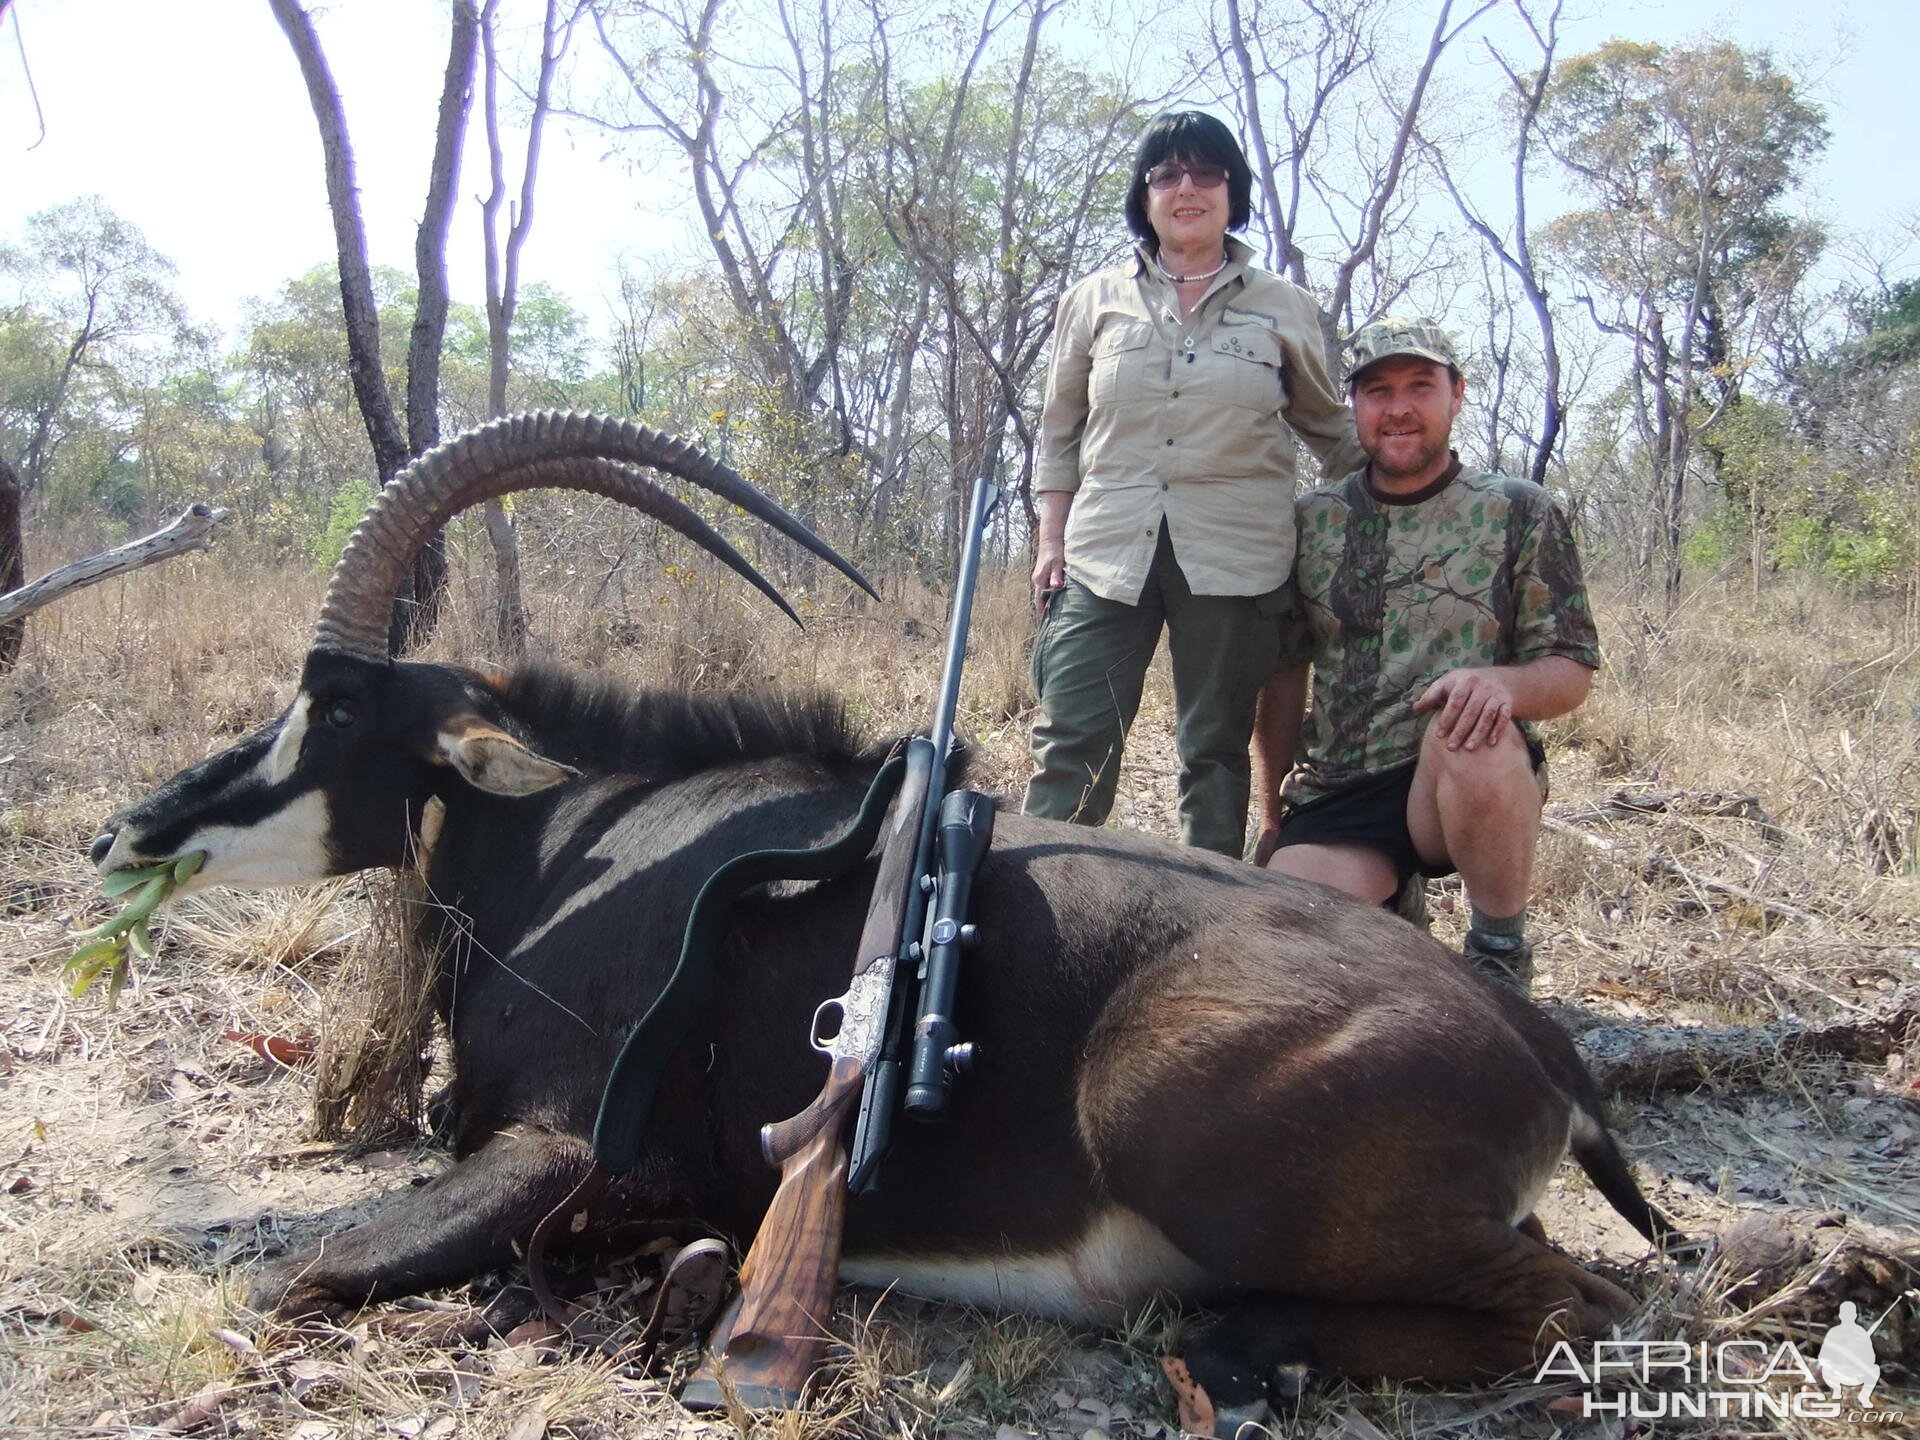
(1373, 812)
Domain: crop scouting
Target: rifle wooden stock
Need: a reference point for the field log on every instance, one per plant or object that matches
(769, 1343)
(773, 1337)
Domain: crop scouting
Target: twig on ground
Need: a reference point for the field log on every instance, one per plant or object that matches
(1667, 865)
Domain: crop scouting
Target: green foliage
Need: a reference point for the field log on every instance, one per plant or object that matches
(1811, 517)
(1868, 552)
(349, 503)
(1688, 151)
(92, 319)
(549, 366)
(1893, 327)
(1717, 542)
(1759, 454)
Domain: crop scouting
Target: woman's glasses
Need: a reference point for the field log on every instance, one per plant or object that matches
(1205, 177)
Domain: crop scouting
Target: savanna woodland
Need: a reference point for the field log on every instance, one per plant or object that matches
(882, 204)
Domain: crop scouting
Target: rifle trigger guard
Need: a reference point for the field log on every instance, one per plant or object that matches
(863, 1014)
(825, 1043)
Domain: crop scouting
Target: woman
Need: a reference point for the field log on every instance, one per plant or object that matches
(1166, 480)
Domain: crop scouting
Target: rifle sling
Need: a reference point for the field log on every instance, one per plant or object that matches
(625, 1105)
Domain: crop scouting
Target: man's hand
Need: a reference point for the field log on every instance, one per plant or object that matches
(1049, 570)
(1475, 707)
(1268, 842)
(1277, 718)
(1476, 704)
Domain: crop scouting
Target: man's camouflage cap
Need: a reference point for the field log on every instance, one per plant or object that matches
(1400, 335)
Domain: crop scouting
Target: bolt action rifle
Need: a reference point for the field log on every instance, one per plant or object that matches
(893, 1022)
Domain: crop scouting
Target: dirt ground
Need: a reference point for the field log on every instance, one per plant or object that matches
(147, 1160)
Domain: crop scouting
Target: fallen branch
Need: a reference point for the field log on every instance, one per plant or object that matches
(1667, 865)
(1628, 804)
(192, 531)
(1792, 1270)
(1645, 1059)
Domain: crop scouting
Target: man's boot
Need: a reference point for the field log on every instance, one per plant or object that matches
(1504, 959)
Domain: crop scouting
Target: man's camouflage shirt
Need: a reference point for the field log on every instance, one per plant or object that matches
(1479, 569)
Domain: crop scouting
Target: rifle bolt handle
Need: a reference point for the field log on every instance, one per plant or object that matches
(960, 1057)
(969, 937)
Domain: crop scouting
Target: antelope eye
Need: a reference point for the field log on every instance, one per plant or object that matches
(341, 714)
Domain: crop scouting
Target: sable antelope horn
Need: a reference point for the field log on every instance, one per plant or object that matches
(545, 450)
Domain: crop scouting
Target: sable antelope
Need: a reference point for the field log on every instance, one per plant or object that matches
(1198, 1077)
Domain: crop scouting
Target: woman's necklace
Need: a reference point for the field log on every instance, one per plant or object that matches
(1188, 279)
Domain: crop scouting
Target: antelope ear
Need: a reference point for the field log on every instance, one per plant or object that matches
(492, 760)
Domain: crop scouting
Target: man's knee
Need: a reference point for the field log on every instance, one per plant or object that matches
(1487, 771)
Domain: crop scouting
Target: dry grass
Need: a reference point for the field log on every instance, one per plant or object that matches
(146, 1161)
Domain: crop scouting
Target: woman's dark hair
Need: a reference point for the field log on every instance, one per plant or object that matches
(1196, 136)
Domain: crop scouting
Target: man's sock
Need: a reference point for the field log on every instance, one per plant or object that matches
(1496, 933)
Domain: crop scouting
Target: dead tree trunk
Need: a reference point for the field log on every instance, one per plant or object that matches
(13, 561)
(192, 530)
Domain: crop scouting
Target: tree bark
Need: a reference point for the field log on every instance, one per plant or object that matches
(430, 242)
(1285, 261)
(503, 284)
(13, 559)
(1642, 1059)
(416, 608)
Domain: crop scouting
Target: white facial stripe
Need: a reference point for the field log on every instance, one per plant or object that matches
(1117, 1262)
(285, 753)
(287, 848)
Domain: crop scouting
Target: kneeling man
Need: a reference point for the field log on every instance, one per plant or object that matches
(1443, 610)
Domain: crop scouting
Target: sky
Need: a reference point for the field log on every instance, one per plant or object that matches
(189, 117)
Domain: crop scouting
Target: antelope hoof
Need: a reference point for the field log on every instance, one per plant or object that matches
(289, 1291)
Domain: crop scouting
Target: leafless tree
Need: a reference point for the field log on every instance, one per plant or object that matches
(503, 272)
(416, 609)
(1305, 80)
(681, 49)
(1510, 241)
(1052, 147)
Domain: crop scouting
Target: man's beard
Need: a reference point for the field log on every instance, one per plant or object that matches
(1424, 460)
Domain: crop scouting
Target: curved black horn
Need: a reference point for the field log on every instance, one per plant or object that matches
(643, 494)
(522, 452)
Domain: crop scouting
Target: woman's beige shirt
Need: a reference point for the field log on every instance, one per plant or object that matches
(1150, 417)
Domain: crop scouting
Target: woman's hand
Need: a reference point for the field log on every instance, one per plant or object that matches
(1049, 570)
(1050, 546)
